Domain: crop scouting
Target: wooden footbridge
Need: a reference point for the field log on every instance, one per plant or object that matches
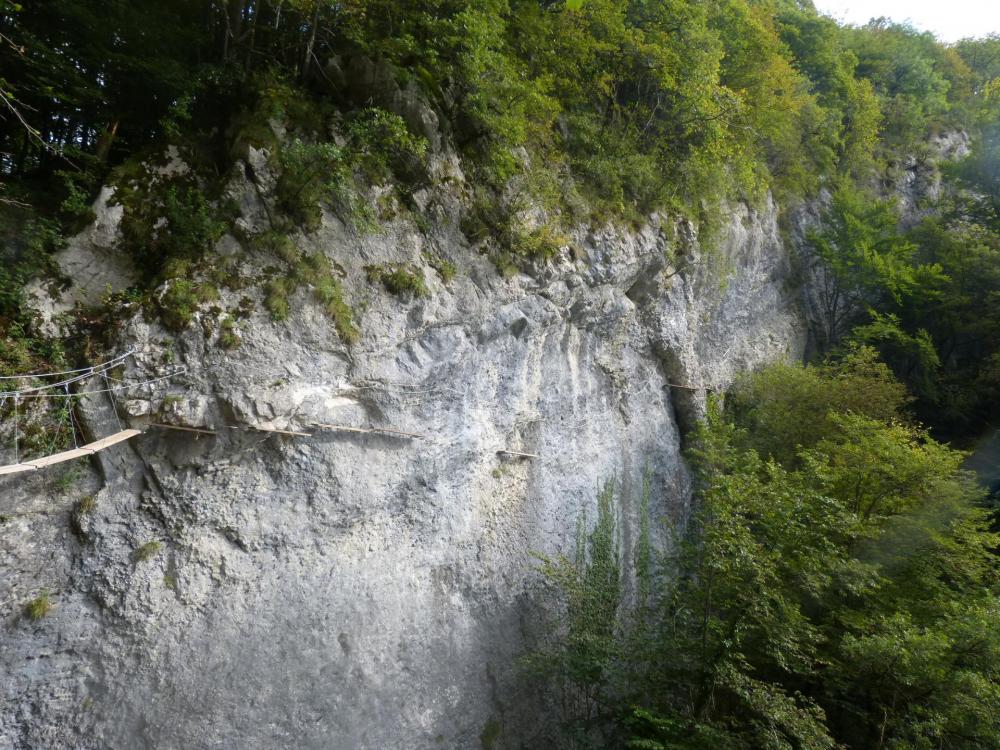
(57, 385)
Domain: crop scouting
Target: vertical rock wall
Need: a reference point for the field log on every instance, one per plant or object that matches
(370, 590)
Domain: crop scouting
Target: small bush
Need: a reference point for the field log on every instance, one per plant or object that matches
(306, 269)
(38, 607)
(66, 480)
(330, 294)
(540, 243)
(312, 173)
(399, 280)
(163, 223)
(75, 210)
(382, 145)
(147, 551)
(276, 293)
(180, 301)
(497, 224)
(490, 734)
(445, 268)
(86, 505)
(228, 337)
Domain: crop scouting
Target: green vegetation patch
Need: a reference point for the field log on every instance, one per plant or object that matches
(39, 607)
(837, 568)
(147, 551)
(312, 270)
(229, 338)
(399, 280)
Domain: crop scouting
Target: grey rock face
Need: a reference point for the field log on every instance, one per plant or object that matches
(360, 589)
(91, 261)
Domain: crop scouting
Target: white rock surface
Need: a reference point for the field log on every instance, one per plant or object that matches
(360, 590)
(91, 262)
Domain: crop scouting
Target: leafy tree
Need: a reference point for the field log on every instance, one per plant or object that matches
(786, 408)
(865, 261)
(592, 583)
(840, 594)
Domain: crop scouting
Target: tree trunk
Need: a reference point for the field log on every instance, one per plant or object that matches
(312, 40)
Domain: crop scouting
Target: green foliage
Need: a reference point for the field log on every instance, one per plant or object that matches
(490, 734)
(84, 508)
(165, 223)
(444, 267)
(867, 261)
(26, 244)
(39, 607)
(382, 145)
(330, 294)
(180, 301)
(845, 129)
(75, 210)
(842, 593)
(591, 584)
(924, 298)
(313, 270)
(914, 354)
(643, 105)
(86, 505)
(399, 280)
(229, 338)
(540, 243)
(915, 77)
(276, 293)
(147, 551)
(311, 173)
(787, 407)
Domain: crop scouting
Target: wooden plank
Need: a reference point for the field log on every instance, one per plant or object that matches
(83, 450)
(687, 387)
(518, 453)
(58, 458)
(107, 442)
(15, 468)
(274, 430)
(386, 430)
(182, 429)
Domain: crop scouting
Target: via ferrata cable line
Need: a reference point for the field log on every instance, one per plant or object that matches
(61, 390)
(113, 389)
(111, 397)
(17, 458)
(72, 422)
(88, 370)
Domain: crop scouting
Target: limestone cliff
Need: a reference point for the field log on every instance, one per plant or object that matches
(358, 589)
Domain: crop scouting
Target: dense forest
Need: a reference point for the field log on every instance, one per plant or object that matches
(836, 585)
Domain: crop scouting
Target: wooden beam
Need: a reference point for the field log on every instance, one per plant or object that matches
(518, 453)
(386, 430)
(182, 429)
(107, 442)
(15, 468)
(58, 458)
(83, 450)
(272, 429)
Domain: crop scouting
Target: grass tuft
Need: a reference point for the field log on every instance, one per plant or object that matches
(147, 551)
(39, 607)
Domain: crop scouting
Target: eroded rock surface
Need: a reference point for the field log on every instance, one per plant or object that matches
(370, 590)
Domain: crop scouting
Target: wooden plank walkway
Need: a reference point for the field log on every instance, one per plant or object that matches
(57, 458)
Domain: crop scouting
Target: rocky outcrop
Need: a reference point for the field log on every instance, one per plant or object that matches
(361, 589)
